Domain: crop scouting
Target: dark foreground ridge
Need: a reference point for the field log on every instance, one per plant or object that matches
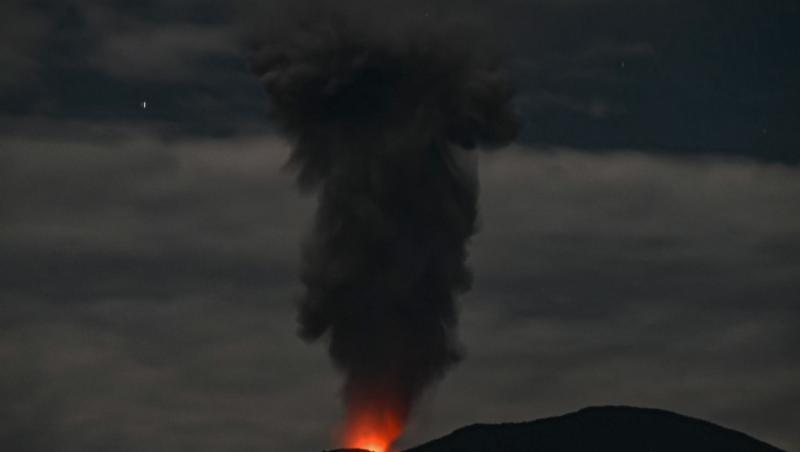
(348, 450)
(617, 429)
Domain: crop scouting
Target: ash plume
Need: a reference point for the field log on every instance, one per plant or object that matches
(383, 115)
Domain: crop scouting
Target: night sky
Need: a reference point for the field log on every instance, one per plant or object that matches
(639, 243)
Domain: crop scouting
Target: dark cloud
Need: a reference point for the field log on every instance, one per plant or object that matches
(626, 278)
(163, 52)
(23, 31)
(671, 76)
(99, 61)
(380, 118)
(77, 213)
(140, 376)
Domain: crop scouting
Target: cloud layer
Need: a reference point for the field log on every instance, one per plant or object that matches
(147, 294)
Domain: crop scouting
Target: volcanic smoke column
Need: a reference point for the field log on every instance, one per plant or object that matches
(381, 126)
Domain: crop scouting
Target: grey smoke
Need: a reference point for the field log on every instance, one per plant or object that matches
(382, 115)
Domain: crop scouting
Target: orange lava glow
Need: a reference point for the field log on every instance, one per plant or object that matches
(374, 430)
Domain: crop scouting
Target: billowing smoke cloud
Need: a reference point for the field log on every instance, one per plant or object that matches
(383, 115)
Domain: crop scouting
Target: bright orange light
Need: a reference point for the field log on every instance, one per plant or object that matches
(374, 430)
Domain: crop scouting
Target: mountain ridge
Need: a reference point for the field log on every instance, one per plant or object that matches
(615, 428)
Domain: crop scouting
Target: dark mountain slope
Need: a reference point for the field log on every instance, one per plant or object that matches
(617, 429)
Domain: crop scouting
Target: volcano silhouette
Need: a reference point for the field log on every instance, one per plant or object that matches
(617, 429)
(598, 429)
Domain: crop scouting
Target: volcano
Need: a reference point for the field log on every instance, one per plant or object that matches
(617, 429)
